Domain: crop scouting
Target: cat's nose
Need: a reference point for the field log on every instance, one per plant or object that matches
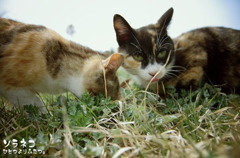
(152, 73)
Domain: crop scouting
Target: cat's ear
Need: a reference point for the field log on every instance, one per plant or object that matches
(122, 28)
(112, 63)
(165, 20)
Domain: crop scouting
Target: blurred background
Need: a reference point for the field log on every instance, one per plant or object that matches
(90, 22)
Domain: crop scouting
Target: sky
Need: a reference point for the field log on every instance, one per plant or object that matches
(92, 20)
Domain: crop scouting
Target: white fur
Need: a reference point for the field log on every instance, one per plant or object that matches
(49, 85)
(56, 86)
(22, 96)
(75, 85)
(142, 75)
(26, 96)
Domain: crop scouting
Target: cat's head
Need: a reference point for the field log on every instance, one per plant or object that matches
(101, 77)
(148, 51)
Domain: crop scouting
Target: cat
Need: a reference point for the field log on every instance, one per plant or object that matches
(148, 51)
(35, 59)
(210, 54)
(155, 60)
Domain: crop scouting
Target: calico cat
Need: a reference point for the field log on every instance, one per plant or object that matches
(211, 54)
(35, 59)
(148, 51)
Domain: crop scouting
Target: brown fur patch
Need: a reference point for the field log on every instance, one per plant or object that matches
(57, 52)
(210, 54)
(192, 76)
(20, 64)
(27, 28)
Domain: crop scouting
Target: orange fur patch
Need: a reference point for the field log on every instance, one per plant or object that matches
(22, 64)
(192, 76)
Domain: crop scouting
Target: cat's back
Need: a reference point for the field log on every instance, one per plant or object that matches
(208, 46)
(9, 29)
(22, 60)
(6, 24)
(215, 49)
(208, 37)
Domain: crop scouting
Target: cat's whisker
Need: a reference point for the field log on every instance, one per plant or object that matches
(168, 76)
(175, 71)
(136, 46)
(171, 74)
(160, 41)
(163, 47)
(162, 37)
(177, 66)
(160, 44)
(157, 37)
(139, 46)
(164, 24)
(178, 70)
(168, 44)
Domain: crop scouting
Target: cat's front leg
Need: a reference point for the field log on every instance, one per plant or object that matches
(22, 96)
(192, 77)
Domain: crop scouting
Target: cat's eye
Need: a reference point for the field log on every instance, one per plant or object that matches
(162, 54)
(138, 57)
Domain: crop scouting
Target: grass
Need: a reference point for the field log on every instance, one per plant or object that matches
(202, 123)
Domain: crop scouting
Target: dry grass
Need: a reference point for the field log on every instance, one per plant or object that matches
(201, 123)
